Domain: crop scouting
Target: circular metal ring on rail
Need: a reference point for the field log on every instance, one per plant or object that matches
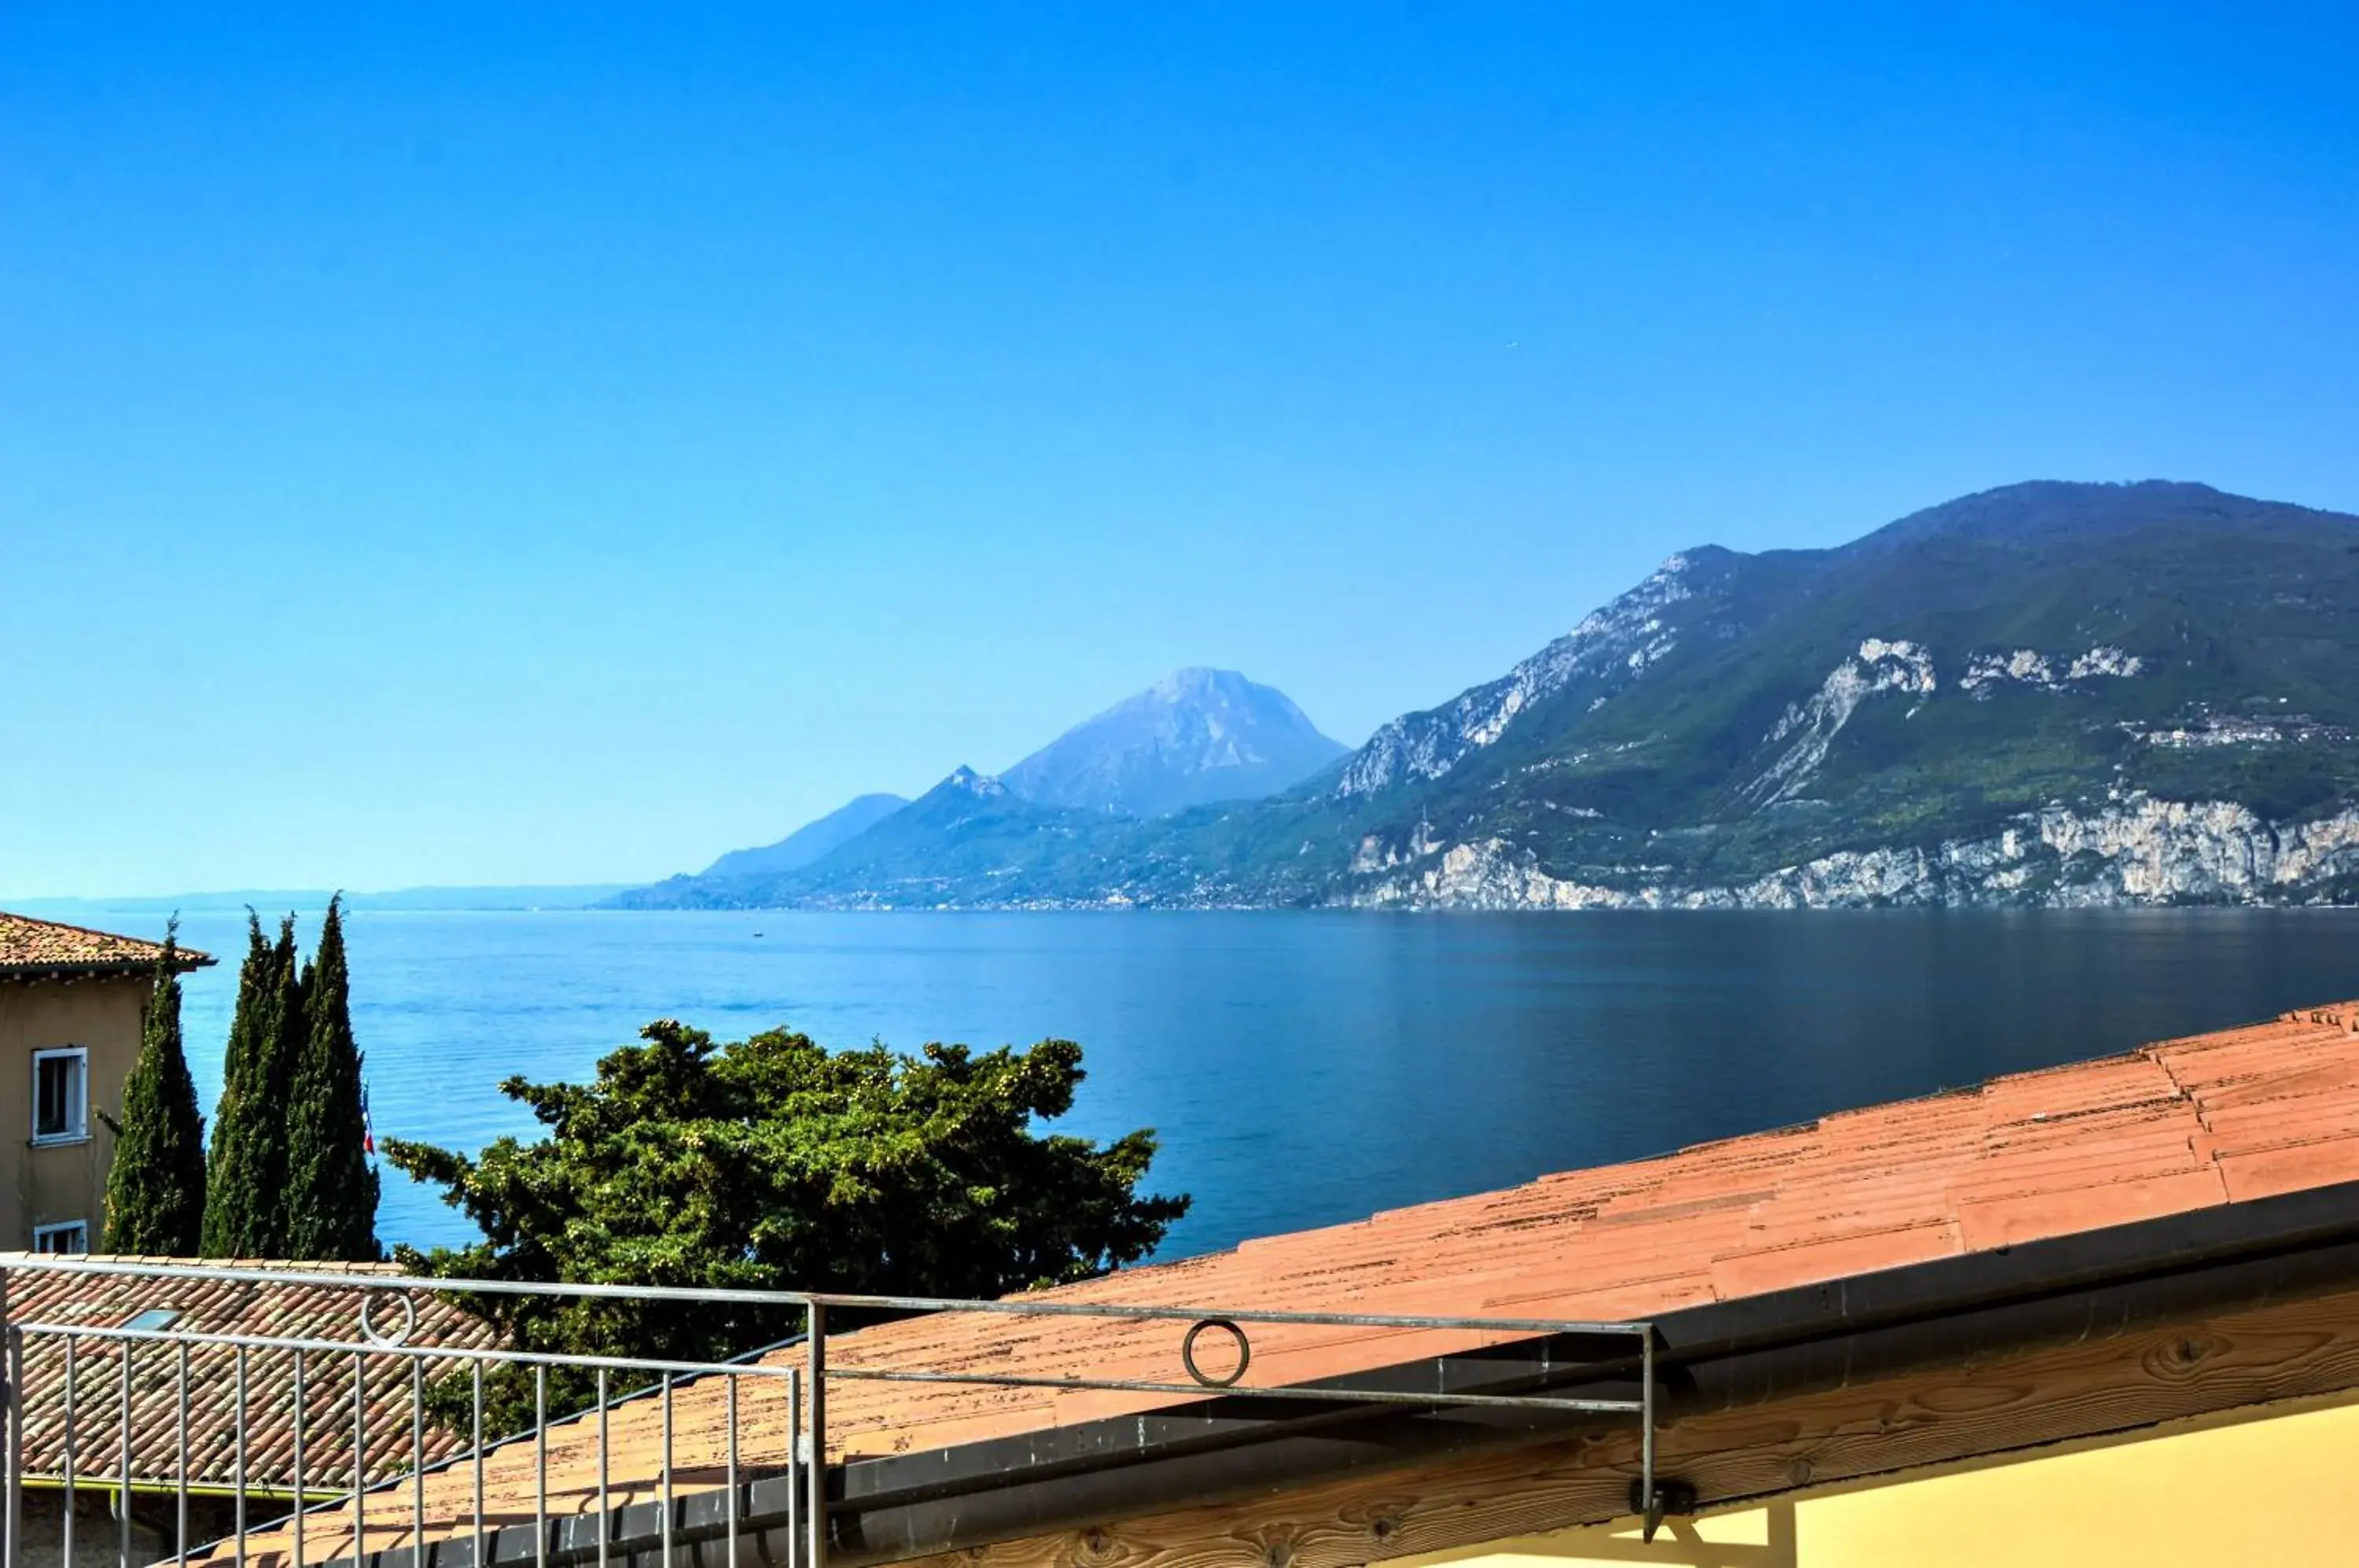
(375, 1335)
(1188, 1352)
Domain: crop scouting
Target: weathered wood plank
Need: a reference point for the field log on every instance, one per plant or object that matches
(2218, 1363)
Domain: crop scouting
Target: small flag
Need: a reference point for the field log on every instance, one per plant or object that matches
(369, 1124)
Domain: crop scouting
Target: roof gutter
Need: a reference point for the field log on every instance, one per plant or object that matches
(2095, 1284)
(105, 969)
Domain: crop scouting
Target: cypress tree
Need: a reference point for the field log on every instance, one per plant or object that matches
(331, 1190)
(156, 1188)
(245, 1187)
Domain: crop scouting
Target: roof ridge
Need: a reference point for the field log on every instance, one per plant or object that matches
(169, 1260)
(31, 943)
(78, 931)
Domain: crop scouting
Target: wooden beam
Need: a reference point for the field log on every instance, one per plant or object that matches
(2213, 1364)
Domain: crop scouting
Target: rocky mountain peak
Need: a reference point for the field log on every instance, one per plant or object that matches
(1197, 735)
(965, 780)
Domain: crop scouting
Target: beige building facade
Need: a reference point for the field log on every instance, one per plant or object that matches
(70, 1005)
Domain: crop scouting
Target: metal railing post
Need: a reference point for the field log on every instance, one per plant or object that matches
(475, 1427)
(303, 1499)
(359, 1456)
(180, 1457)
(9, 1377)
(418, 1464)
(14, 1506)
(605, 1510)
(65, 1546)
(123, 1468)
(815, 1396)
(794, 1458)
(1651, 1499)
(540, 1467)
(239, 1397)
(729, 1557)
(666, 1499)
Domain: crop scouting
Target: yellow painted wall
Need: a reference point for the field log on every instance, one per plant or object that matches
(56, 1182)
(2278, 1489)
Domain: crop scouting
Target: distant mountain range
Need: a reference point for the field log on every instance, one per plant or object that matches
(2047, 693)
(1196, 737)
(436, 901)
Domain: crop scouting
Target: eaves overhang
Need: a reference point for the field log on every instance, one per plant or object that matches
(103, 969)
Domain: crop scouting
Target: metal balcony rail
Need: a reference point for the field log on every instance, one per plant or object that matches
(318, 1422)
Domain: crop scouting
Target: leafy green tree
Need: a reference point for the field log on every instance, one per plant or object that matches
(332, 1191)
(245, 1186)
(156, 1187)
(773, 1164)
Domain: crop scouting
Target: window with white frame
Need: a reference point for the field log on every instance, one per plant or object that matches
(62, 1096)
(72, 1235)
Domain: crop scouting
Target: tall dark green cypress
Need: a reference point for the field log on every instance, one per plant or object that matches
(332, 1188)
(156, 1188)
(245, 1187)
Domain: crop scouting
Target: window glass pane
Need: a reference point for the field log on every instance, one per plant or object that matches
(62, 1238)
(49, 1112)
(56, 1096)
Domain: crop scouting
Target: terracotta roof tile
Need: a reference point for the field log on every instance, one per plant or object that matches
(29, 946)
(2290, 1167)
(1838, 1256)
(2066, 1210)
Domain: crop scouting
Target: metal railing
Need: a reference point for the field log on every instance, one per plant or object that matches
(304, 1436)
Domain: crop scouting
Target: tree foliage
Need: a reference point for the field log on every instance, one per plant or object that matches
(773, 1164)
(245, 1189)
(331, 1190)
(156, 1187)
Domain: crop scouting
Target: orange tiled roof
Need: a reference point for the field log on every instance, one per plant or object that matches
(291, 1310)
(31, 946)
(2172, 1127)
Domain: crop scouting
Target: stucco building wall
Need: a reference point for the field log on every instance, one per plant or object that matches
(52, 1183)
(2271, 1488)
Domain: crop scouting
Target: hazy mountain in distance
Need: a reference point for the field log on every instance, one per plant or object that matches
(809, 842)
(1196, 736)
(438, 900)
(963, 833)
(1196, 739)
(965, 830)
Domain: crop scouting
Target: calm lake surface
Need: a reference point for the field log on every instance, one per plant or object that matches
(1304, 1069)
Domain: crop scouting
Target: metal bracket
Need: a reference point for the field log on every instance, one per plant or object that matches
(1662, 1500)
(1652, 1498)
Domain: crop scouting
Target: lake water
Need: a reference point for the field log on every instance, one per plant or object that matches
(1304, 1069)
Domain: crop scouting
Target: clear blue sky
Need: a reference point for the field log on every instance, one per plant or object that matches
(487, 444)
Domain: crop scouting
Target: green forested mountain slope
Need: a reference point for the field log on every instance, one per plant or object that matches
(2048, 693)
(2087, 648)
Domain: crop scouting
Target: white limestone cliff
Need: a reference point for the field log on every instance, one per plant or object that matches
(2139, 851)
